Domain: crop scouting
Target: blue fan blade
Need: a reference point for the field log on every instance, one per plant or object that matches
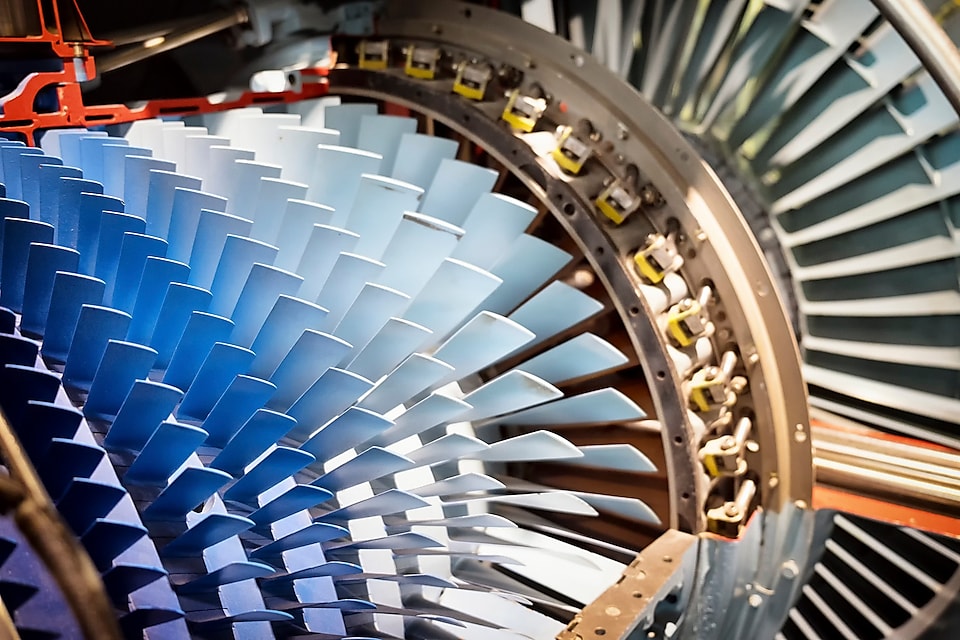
(188, 489)
(10, 156)
(243, 398)
(113, 228)
(169, 446)
(621, 457)
(415, 252)
(261, 291)
(114, 165)
(30, 181)
(602, 405)
(481, 520)
(419, 156)
(526, 265)
(123, 579)
(203, 330)
(133, 624)
(336, 177)
(95, 327)
(184, 218)
(91, 210)
(346, 118)
(405, 540)
(212, 529)
(287, 321)
(122, 364)
(513, 391)
(226, 575)
(70, 145)
(8, 319)
(18, 350)
(452, 446)
(238, 257)
(222, 164)
(270, 204)
(382, 504)
(158, 274)
(312, 354)
(377, 210)
(416, 373)
(135, 248)
(264, 428)
(206, 622)
(325, 570)
(84, 501)
(630, 508)
(298, 149)
(280, 463)
(381, 134)
(244, 185)
(351, 428)
(42, 265)
(554, 309)
(20, 386)
(583, 355)
(368, 314)
(160, 194)
(210, 239)
(91, 155)
(485, 339)
(65, 460)
(12, 209)
(347, 278)
(454, 189)
(105, 539)
(147, 405)
(537, 445)
(369, 465)
(433, 410)
(70, 195)
(298, 219)
(396, 340)
(71, 292)
(297, 498)
(329, 396)
(494, 223)
(176, 309)
(47, 421)
(17, 236)
(196, 152)
(324, 247)
(224, 363)
(260, 133)
(136, 181)
(311, 534)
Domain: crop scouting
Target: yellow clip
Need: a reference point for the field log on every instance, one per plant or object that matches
(571, 153)
(684, 322)
(656, 259)
(708, 388)
(522, 112)
(616, 203)
(374, 55)
(472, 80)
(422, 62)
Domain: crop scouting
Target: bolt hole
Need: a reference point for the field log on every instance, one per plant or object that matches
(672, 598)
(466, 117)
(467, 13)
(599, 251)
(600, 631)
(720, 316)
(661, 375)
(691, 254)
(634, 311)
(637, 594)
(569, 209)
(678, 440)
(292, 78)
(684, 496)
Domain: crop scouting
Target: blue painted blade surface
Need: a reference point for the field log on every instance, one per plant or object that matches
(326, 398)
(205, 622)
(212, 231)
(325, 570)
(65, 460)
(415, 374)
(347, 278)
(10, 156)
(21, 385)
(554, 309)
(493, 225)
(368, 465)
(287, 321)
(91, 155)
(203, 330)
(593, 407)
(297, 498)
(621, 457)
(583, 355)
(270, 205)
(47, 420)
(483, 340)
(92, 208)
(96, 326)
(311, 534)
(537, 445)
(175, 138)
(396, 340)
(450, 447)
(368, 314)
(122, 364)
(158, 274)
(238, 257)
(243, 398)
(336, 178)
(351, 428)
(298, 150)
(43, 262)
(86, 500)
(136, 181)
(462, 522)
(452, 293)
(188, 489)
(12, 209)
(8, 319)
(135, 248)
(390, 501)
(30, 164)
(512, 391)
(18, 234)
(147, 405)
(69, 192)
(106, 539)
(176, 309)
(222, 164)
(377, 210)
(18, 350)
(114, 165)
(312, 354)
(263, 429)
(415, 252)
(123, 579)
(528, 263)
(280, 463)
(324, 247)
(226, 575)
(160, 195)
(71, 292)
(381, 134)
(196, 153)
(419, 156)
(213, 528)
(396, 541)
(263, 288)
(113, 227)
(433, 410)
(244, 186)
(558, 501)
(169, 446)
(455, 188)
(299, 216)
(630, 508)
(346, 119)
(224, 363)
(185, 217)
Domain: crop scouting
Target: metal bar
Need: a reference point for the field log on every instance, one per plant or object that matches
(929, 41)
